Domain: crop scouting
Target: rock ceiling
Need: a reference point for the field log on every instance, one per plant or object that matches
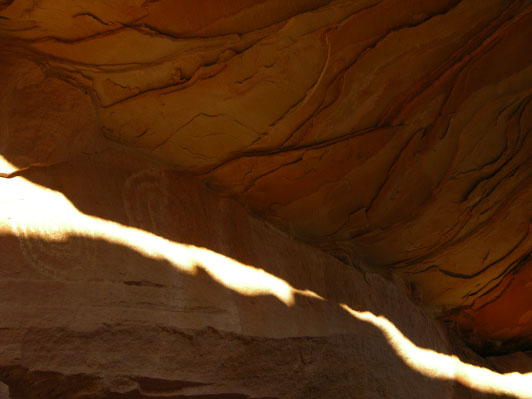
(393, 134)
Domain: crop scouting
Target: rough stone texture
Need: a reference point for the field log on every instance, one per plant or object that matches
(394, 135)
(83, 316)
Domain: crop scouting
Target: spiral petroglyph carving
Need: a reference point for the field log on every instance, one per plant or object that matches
(146, 200)
(53, 252)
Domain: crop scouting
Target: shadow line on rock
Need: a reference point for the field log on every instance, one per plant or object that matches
(114, 264)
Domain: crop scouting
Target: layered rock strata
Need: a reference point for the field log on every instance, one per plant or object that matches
(395, 136)
(143, 284)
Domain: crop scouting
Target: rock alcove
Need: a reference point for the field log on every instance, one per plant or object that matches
(265, 199)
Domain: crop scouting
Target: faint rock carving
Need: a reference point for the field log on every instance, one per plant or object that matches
(146, 201)
(54, 253)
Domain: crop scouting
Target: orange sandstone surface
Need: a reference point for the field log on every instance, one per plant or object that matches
(195, 196)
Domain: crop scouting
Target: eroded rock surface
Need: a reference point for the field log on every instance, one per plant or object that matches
(393, 135)
(143, 284)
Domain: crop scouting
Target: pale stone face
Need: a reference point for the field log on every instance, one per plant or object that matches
(395, 136)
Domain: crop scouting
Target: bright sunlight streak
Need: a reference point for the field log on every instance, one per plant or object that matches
(46, 214)
(441, 366)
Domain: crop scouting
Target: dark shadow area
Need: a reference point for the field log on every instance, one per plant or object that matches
(89, 332)
(115, 186)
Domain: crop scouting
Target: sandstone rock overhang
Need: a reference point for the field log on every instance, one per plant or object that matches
(395, 137)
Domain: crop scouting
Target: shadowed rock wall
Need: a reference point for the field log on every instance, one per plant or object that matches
(110, 289)
(395, 136)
